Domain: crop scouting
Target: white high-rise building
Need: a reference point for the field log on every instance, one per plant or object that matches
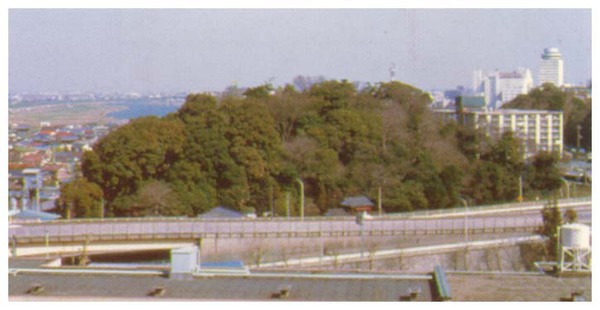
(491, 90)
(551, 67)
(478, 81)
(512, 84)
(500, 87)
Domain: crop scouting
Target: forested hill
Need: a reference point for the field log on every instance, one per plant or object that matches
(248, 151)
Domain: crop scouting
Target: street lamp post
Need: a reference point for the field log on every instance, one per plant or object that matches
(520, 198)
(287, 204)
(301, 198)
(102, 207)
(466, 218)
(379, 201)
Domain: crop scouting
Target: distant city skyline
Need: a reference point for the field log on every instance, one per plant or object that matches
(172, 50)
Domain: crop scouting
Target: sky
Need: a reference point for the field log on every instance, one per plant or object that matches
(195, 50)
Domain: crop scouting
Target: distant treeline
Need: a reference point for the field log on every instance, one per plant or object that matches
(247, 151)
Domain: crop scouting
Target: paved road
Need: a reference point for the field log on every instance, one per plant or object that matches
(527, 219)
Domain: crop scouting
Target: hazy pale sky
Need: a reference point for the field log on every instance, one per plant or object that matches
(123, 50)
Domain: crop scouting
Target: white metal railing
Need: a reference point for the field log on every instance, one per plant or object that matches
(462, 209)
(412, 223)
(413, 214)
(228, 229)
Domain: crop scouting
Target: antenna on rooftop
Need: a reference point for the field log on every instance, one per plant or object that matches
(392, 71)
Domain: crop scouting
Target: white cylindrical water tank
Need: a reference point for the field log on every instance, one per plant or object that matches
(575, 235)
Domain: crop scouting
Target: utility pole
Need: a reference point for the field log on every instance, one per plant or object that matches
(287, 204)
(272, 202)
(466, 218)
(379, 200)
(37, 199)
(520, 198)
(578, 153)
(301, 198)
(102, 207)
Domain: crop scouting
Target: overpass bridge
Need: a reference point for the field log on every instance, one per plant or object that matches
(70, 235)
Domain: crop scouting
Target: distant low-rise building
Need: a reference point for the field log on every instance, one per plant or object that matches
(334, 212)
(473, 103)
(25, 186)
(222, 213)
(20, 216)
(354, 205)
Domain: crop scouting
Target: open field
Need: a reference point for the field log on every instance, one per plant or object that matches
(65, 114)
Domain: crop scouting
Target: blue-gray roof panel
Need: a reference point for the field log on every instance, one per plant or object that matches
(358, 201)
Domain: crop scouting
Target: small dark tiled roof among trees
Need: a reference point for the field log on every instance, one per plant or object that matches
(221, 212)
(357, 201)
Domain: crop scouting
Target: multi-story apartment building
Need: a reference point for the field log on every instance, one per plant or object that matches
(539, 130)
(551, 67)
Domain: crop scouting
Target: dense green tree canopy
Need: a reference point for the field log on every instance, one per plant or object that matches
(545, 175)
(142, 150)
(552, 221)
(80, 198)
(247, 149)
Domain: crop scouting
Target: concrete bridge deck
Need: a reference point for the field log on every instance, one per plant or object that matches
(72, 235)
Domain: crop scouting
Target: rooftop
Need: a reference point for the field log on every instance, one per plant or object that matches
(517, 111)
(358, 201)
(34, 215)
(517, 287)
(221, 212)
(32, 281)
(248, 287)
(511, 75)
(473, 101)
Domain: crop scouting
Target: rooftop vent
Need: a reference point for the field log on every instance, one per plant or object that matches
(413, 294)
(184, 261)
(157, 291)
(575, 296)
(35, 289)
(283, 291)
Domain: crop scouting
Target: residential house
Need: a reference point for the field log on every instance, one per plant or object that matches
(357, 204)
(222, 213)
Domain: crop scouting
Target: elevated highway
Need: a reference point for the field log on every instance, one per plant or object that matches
(500, 220)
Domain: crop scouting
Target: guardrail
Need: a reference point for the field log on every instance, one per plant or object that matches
(193, 228)
(393, 216)
(474, 209)
(140, 231)
(399, 252)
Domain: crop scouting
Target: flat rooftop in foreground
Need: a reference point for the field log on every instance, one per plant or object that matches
(29, 281)
(151, 287)
(517, 287)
